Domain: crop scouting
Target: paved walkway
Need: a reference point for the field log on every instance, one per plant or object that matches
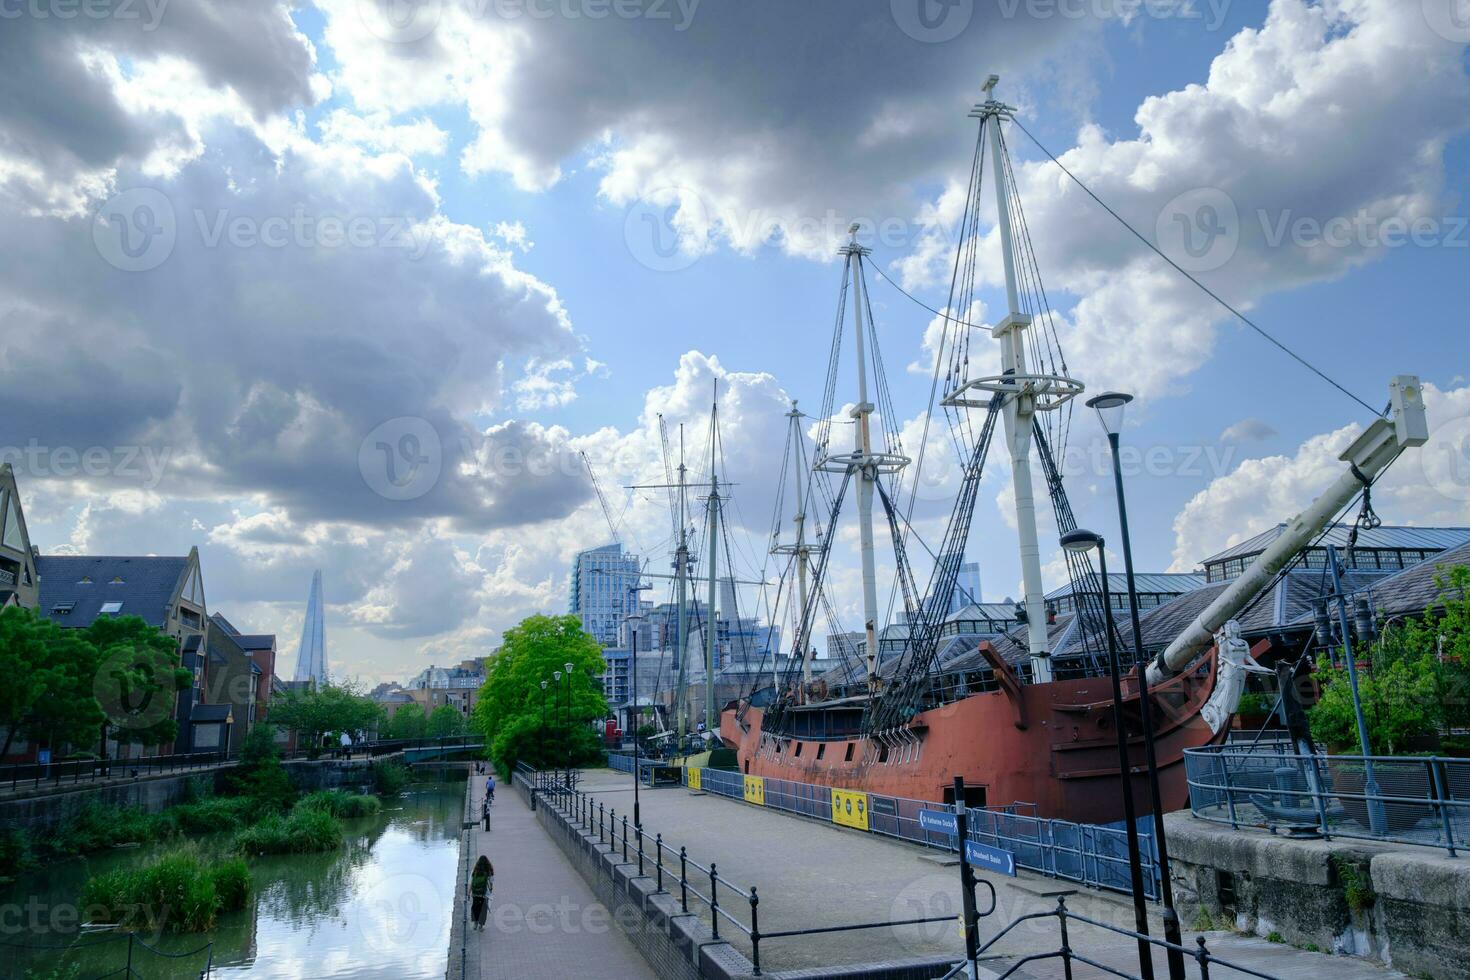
(813, 874)
(544, 920)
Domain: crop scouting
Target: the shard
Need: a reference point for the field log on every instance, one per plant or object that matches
(311, 657)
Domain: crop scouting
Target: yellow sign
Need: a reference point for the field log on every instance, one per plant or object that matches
(693, 777)
(850, 809)
(755, 790)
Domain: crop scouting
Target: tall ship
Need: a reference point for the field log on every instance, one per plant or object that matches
(1011, 711)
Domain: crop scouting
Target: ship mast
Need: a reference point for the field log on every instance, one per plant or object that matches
(800, 550)
(710, 719)
(681, 587)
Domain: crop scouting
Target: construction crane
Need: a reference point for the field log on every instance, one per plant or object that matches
(612, 525)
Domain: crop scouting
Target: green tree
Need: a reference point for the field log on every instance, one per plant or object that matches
(1442, 637)
(409, 721)
(138, 678)
(523, 722)
(329, 709)
(50, 680)
(446, 721)
(1400, 703)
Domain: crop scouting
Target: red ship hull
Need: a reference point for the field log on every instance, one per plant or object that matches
(1049, 744)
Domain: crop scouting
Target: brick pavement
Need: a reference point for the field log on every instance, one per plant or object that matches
(544, 920)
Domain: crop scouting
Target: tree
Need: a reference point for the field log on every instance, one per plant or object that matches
(409, 721)
(446, 721)
(138, 678)
(332, 708)
(1400, 703)
(50, 676)
(1442, 637)
(519, 720)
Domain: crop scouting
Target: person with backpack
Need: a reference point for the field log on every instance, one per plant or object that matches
(482, 885)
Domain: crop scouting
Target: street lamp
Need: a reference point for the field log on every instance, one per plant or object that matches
(1109, 407)
(543, 713)
(556, 679)
(633, 619)
(570, 729)
(1081, 542)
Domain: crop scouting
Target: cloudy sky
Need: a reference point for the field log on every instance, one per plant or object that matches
(347, 284)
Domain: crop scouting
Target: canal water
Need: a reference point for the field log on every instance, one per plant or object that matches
(378, 909)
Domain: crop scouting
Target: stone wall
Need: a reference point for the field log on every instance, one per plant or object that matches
(1405, 906)
(46, 809)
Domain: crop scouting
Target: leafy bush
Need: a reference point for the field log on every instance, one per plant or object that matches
(1400, 703)
(178, 892)
(260, 774)
(340, 803)
(389, 777)
(98, 825)
(306, 830)
(209, 815)
(16, 853)
(1256, 703)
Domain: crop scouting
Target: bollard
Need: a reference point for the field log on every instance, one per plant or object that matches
(684, 878)
(714, 901)
(658, 862)
(755, 931)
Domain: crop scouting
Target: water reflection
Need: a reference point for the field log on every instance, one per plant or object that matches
(378, 908)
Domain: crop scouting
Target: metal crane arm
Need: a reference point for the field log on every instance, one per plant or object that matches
(1368, 456)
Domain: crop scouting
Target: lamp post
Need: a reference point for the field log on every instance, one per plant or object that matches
(569, 723)
(543, 712)
(1081, 542)
(1109, 407)
(556, 679)
(633, 619)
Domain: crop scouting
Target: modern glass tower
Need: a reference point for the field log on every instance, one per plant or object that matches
(311, 657)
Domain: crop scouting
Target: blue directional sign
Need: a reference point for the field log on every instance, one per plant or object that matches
(938, 822)
(988, 858)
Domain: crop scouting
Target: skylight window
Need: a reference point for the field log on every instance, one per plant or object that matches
(111, 607)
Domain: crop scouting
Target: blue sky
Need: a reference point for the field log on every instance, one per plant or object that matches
(504, 308)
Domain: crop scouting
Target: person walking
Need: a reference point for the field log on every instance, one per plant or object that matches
(482, 885)
(490, 789)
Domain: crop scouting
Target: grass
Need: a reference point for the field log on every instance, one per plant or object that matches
(1356, 886)
(1275, 937)
(340, 803)
(306, 830)
(390, 776)
(177, 892)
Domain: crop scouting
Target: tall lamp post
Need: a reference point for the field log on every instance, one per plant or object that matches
(556, 679)
(1109, 407)
(570, 729)
(1081, 542)
(543, 712)
(633, 619)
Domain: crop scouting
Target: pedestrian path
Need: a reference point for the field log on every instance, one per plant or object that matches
(544, 919)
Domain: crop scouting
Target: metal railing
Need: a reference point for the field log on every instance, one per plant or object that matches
(579, 813)
(33, 775)
(1083, 853)
(1204, 960)
(1422, 800)
(137, 950)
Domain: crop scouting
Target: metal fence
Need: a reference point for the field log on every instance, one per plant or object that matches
(130, 958)
(32, 775)
(719, 902)
(1418, 799)
(620, 762)
(1085, 853)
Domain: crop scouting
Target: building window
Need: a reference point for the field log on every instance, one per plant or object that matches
(63, 608)
(110, 608)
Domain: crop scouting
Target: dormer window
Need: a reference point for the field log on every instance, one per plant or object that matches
(85, 580)
(63, 608)
(117, 580)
